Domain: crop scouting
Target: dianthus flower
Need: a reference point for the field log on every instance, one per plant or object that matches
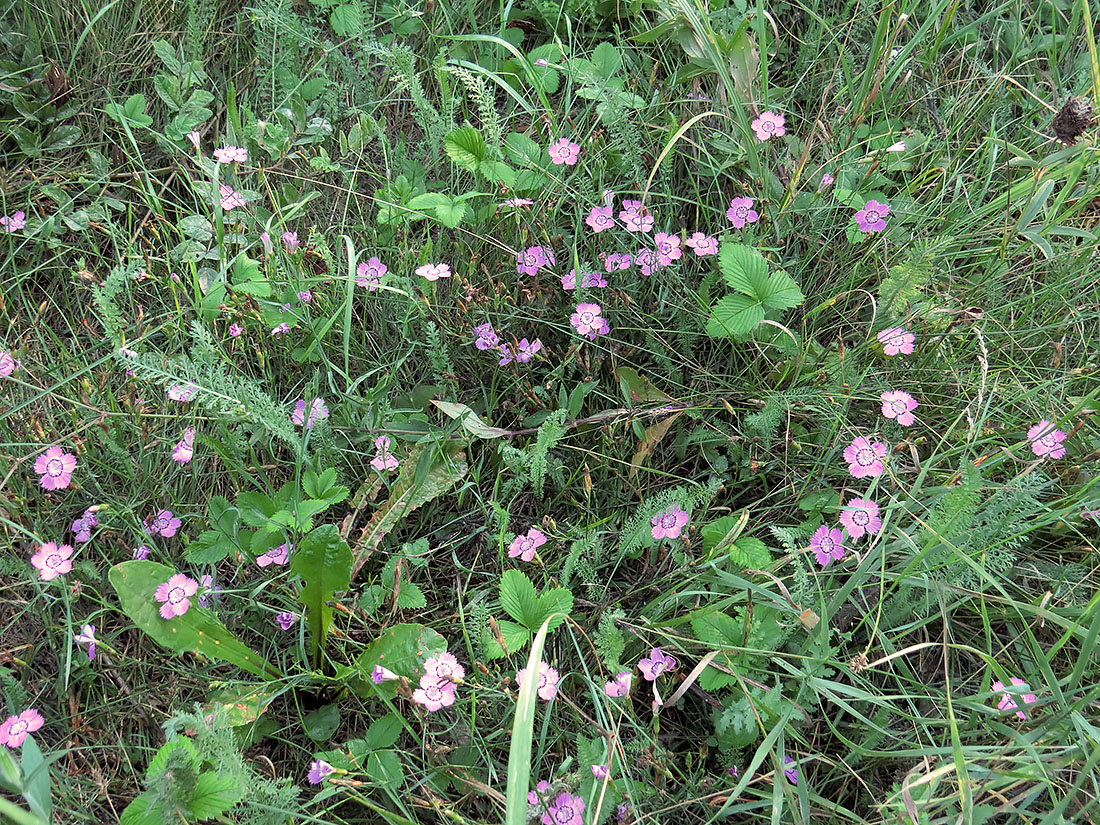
(896, 340)
(317, 412)
(616, 261)
(14, 222)
(526, 350)
(525, 546)
(899, 406)
(588, 321)
(566, 809)
(230, 197)
(433, 272)
(182, 392)
(548, 681)
(384, 460)
(175, 595)
(741, 212)
(870, 217)
(486, 337)
(369, 274)
(769, 125)
(52, 561)
(865, 458)
(702, 244)
(55, 466)
(184, 450)
(668, 523)
(656, 663)
(276, 555)
(7, 363)
(318, 770)
(291, 242)
(286, 619)
(434, 694)
(532, 259)
(83, 526)
(564, 151)
(668, 248)
(87, 637)
(14, 729)
(1045, 440)
(635, 217)
(827, 545)
(1008, 700)
(619, 686)
(231, 154)
(444, 667)
(164, 524)
(600, 218)
(859, 516)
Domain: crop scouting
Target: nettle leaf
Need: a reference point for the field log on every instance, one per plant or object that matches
(466, 147)
(323, 561)
(743, 268)
(781, 292)
(750, 553)
(606, 60)
(519, 600)
(385, 768)
(497, 172)
(403, 649)
(734, 315)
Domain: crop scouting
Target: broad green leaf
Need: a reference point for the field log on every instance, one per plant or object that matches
(346, 20)
(497, 172)
(384, 767)
(36, 779)
(167, 54)
(743, 269)
(450, 214)
(182, 746)
(722, 532)
(410, 597)
(520, 601)
(734, 315)
(470, 421)
(324, 486)
(515, 637)
(403, 649)
(523, 152)
(215, 544)
(606, 60)
(10, 777)
(321, 723)
(214, 795)
(384, 731)
(323, 561)
(256, 509)
(750, 553)
(196, 631)
(241, 703)
(197, 228)
(466, 147)
(144, 810)
(248, 278)
(781, 292)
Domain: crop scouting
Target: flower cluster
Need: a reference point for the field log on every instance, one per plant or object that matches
(442, 675)
(520, 352)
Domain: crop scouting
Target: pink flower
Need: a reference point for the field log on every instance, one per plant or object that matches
(317, 412)
(526, 350)
(647, 261)
(286, 619)
(548, 681)
(382, 674)
(702, 244)
(635, 217)
(281, 329)
(860, 516)
(865, 458)
(140, 553)
(615, 261)
(588, 321)
(231, 154)
(290, 240)
(827, 179)
(619, 686)
(83, 525)
(534, 797)
(870, 217)
(87, 637)
(15, 222)
(790, 773)
(194, 137)
(55, 466)
(1008, 702)
(434, 694)
(175, 595)
(164, 525)
(370, 274)
(532, 259)
(235, 330)
(433, 272)
(741, 212)
(769, 125)
(444, 668)
(668, 523)
(486, 337)
(599, 771)
(896, 340)
(318, 770)
(14, 729)
(668, 248)
(1045, 440)
(827, 545)
(600, 218)
(656, 663)
(52, 561)
(230, 197)
(385, 460)
(564, 151)
(185, 448)
(526, 545)
(566, 809)
(305, 296)
(276, 555)
(899, 405)
(7, 363)
(182, 392)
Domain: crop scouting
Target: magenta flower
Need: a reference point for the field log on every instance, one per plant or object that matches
(210, 592)
(827, 179)
(741, 212)
(619, 686)
(532, 259)
(615, 261)
(444, 668)
(486, 337)
(870, 217)
(668, 523)
(286, 619)
(235, 330)
(163, 525)
(702, 244)
(588, 321)
(52, 561)
(185, 448)
(865, 458)
(668, 248)
(433, 272)
(370, 274)
(14, 729)
(318, 770)
(231, 154)
(792, 772)
(506, 356)
(1045, 440)
(827, 545)
(305, 296)
(87, 637)
(599, 771)
(317, 412)
(896, 340)
(635, 217)
(525, 546)
(593, 280)
(541, 787)
(569, 280)
(140, 553)
(276, 555)
(656, 663)
(176, 595)
(382, 674)
(769, 125)
(548, 681)
(182, 392)
(1008, 700)
(647, 261)
(55, 466)
(600, 218)
(83, 526)
(526, 350)
(564, 151)
(230, 197)
(7, 363)
(290, 240)
(15, 222)
(566, 809)
(899, 405)
(385, 460)
(281, 329)
(860, 516)
(434, 694)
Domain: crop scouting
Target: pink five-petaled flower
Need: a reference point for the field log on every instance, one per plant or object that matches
(276, 555)
(433, 272)
(769, 125)
(526, 350)
(827, 544)
(487, 337)
(83, 525)
(588, 321)
(566, 809)
(541, 787)
(15, 222)
(668, 523)
(899, 405)
(741, 212)
(534, 258)
(182, 392)
(231, 154)
(286, 619)
(859, 516)
(176, 594)
(525, 546)
(896, 340)
(317, 412)
(318, 770)
(1045, 440)
(548, 681)
(305, 296)
(385, 460)
(864, 458)
(444, 668)
(7, 363)
(291, 242)
(702, 244)
(668, 248)
(369, 274)
(870, 217)
(140, 553)
(56, 468)
(52, 561)
(656, 663)
(564, 151)
(1008, 701)
(647, 261)
(600, 218)
(230, 197)
(518, 203)
(87, 637)
(185, 447)
(619, 686)
(434, 694)
(635, 217)
(616, 261)
(235, 330)
(14, 729)
(163, 525)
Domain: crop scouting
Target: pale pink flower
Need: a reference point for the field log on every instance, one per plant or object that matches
(15, 222)
(668, 248)
(536, 796)
(444, 667)
(741, 212)
(370, 274)
(55, 466)
(896, 340)
(769, 125)
(182, 392)
(827, 545)
(164, 524)
(175, 595)
(566, 809)
(317, 412)
(291, 242)
(518, 203)
(230, 197)
(194, 137)
(434, 694)
(871, 217)
(564, 151)
(647, 261)
(548, 681)
(899, 405)
(600, 218)
(656, 663)
(318, 770)
(185, 448)
(619, 686)
(859, 516)
(865, 458)
(897, 147)
(87, 637)
(599, 771)
(702, 244)
(433, 272)
(635, 217)
(1045, 440)
(7, 364)
(525, 546)
(52, 561)
(14, 729)
(616, 261)
(305, 296)
(668, 523)
(382, 674)
(588, 321)
(140, 553)
(385, 460)
(1008, 700)
(231, 154)
(276, 555)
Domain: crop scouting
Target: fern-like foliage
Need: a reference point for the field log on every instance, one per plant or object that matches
(903, 284)
(551, 431)
(765, 424)
(609, 641)
(486, 104)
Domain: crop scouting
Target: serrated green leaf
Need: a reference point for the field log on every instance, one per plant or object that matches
(734, 315)
(256, 509)
(606, 60)
(323, 561)
(466, 147)
(384, 767)
(522, 151)
(743, 269)
(410, 596)
(515, 638)
(781, 292)
(144, 810)
(321, 724)
(182, 746)
(497, 172)
(346, 20)
(519, 600)
(750, 553)
(384, 732)
(451, 213)
(214, 795)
